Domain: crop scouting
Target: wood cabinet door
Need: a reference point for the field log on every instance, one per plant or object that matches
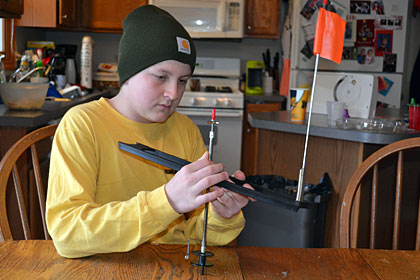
(262, 18)
(11, 8)
(107, 14)
(250, 136)
(67, 13)
(38, 13)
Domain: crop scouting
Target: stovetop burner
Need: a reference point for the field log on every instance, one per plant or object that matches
(218, 89)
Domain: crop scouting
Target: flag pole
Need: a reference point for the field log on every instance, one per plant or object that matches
(300, 191)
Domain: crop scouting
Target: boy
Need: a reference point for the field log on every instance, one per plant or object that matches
(101, 199)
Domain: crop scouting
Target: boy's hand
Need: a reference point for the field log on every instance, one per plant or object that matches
(230, 203)
(185, 190)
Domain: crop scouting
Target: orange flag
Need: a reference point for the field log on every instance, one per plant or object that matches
(329, 35)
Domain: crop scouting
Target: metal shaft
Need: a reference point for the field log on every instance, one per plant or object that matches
(206, 207)
(299, 196)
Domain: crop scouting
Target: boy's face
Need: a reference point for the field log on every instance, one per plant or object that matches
(153, 94)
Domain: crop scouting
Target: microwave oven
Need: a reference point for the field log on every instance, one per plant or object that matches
(207, 18)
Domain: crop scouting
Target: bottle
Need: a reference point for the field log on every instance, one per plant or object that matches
(70, 71)
(86, 56)
(2, 73)
(23, 68)
(411, 112)
(267, 83)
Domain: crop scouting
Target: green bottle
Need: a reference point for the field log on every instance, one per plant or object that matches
(412, 102)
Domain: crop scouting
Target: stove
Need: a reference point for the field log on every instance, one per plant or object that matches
(215, 84)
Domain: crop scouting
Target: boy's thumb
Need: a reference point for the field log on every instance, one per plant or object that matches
(205, 155)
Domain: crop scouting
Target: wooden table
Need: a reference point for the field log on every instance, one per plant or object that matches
(38, 259)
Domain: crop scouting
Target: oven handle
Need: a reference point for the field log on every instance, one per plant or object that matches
(220, 113)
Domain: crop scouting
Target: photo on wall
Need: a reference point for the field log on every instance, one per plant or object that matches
(365, 32)
(365, 55)
(390, 63)
(360, 7)
(378, 7)
(350, 31)
(349, 53)
(383, 42)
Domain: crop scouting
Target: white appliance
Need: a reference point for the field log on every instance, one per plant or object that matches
(218, 88)
(207, 18)
(355, 90)
(367, 25)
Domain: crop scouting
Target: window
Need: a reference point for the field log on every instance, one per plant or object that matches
(7, 31)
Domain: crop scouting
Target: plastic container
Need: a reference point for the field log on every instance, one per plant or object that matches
(375, 125)
(70, 71)
(270, 226)
(105, 80)
(267, 84)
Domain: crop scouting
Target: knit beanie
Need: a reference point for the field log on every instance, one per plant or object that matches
(151, 35)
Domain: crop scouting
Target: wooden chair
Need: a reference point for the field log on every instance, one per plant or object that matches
(393, 173)
(8, 166)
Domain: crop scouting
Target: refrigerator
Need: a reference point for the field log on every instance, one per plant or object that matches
(373, 53)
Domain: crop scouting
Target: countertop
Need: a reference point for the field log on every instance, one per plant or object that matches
(280, 121)
(50, 110)
(265, 98)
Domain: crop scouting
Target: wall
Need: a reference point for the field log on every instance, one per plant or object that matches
(106, 45)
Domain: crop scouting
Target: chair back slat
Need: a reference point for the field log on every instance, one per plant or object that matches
(21, 203)
(374, 203)
(8, 168)
(380, 162)
(397, 207)
(39, 188)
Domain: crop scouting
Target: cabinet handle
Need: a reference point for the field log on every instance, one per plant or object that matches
(64, 16)
(249, 27)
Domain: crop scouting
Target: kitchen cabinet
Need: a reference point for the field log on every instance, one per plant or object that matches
(46, 13)
(262, 19)
(11, 8)
(107, 14)
(338, 152)
(250, 136)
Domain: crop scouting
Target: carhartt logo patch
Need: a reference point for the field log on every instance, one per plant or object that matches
(183, 45)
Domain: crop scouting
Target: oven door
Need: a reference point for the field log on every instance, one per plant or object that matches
(228, 134)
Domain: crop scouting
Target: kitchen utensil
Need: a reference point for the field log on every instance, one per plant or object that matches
(23, 96)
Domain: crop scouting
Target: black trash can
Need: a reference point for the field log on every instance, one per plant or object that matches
(271, 226)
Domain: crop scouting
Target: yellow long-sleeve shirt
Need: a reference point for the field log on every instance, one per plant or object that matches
(101, 199)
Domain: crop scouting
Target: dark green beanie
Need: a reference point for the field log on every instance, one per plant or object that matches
(151, 35)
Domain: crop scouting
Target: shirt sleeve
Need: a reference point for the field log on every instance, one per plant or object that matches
(77, 224)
